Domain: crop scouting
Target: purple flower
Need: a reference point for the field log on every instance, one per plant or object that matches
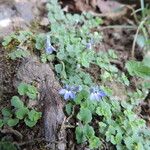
(96, 93)
(76, 88)
(48, 47)
(69, 91)
(89, 44)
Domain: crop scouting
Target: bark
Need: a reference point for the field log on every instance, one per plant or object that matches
(31, 70)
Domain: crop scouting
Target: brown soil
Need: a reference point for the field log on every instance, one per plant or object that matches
(117, 38)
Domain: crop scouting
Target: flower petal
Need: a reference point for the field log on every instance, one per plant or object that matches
(49, 49)
(72, 95)
(66, 95)
(91, 96)
(77, 88)
(101, 93)
(94, 96)
(62, 91)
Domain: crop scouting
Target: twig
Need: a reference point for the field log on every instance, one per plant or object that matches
(11, 131)
(117, 26)
(133, 12)
(29, 142)
(136, 35)
(63, 126)
(73, 110)
(116, 62)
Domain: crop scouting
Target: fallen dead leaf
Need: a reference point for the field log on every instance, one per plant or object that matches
(82, 5)
(107, 6)
(111, 9)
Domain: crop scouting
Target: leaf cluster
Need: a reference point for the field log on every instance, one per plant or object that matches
(18, 111)
(108, 120)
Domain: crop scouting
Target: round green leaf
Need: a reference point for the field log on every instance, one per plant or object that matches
(12, 122)
(94, 142)
(20, 113)
(89, 131)
(6, 112)
(16, 102)
(80, 136)
(30, 123)
(85, 115)
(34, 115)
(22, 88)
(69, 108)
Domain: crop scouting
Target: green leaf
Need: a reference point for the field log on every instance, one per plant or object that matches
(89, 131)
(141, 41)
(87, 58)
(34, 115)
(58, 68)
(106, 75)
(63, 73)
(24, 36)
(125, 79)
(43, 58)
(69, 108)
(104, 109)
(6, 112)
(27, 89)
(40, 41)
(112, 68)
(112, 139)
(50, 57)
(13, 122)
(94, 142)
(140, 146)
(22, 88)
(19, 53)
(21, 112)
(138, 69)
(81, 96)
(7, 40)
(80, 136)
(111, 131)
(129, 142)
(146, 60)
(32, 92)
(5, 145)
(87, 79)
(112, 54)
(102, 127)
(85, 115)
(30, 123)
(118, 138)
(16, 102)
(130, 114)
(147, 84)
(61, 55)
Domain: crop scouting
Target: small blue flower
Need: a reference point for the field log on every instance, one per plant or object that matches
(69, 91)
(96, 93)
(48, 47)
(90, 44)
(76, 88)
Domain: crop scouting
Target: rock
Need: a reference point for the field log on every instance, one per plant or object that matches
(44, 22)
(18, 14)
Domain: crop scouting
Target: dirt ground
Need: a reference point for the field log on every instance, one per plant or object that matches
(22, 14)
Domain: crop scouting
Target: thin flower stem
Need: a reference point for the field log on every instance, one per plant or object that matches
(117, 26)
(136, 35)
(73, 111)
